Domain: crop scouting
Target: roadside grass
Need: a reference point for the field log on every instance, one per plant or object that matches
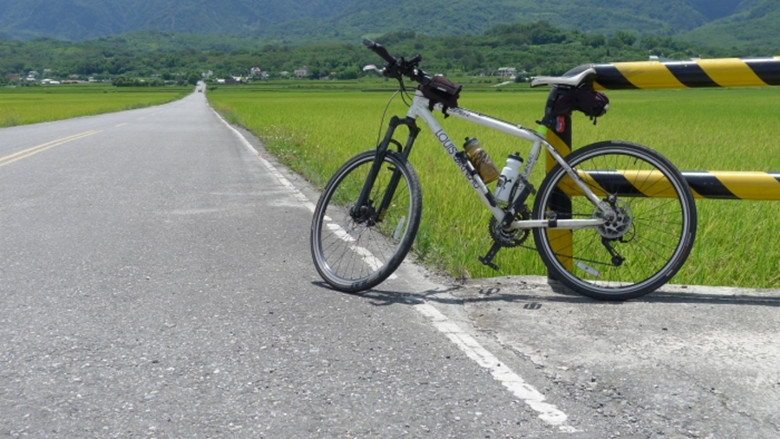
(27, 105)
(314, 130)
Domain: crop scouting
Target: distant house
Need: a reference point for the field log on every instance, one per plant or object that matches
(507, 72)
(302, 72)
(32, 76)
(257, 72)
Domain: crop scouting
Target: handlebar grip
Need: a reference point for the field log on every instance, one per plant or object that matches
(380, 50)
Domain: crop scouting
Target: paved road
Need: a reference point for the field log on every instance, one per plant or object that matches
(155, 281)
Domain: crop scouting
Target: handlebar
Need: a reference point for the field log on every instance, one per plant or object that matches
(380, 50)
(396, 68)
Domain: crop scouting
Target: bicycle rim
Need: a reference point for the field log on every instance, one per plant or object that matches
(637, 252)
(354, 253)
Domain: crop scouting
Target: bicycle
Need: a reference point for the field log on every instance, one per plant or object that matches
(613, 220)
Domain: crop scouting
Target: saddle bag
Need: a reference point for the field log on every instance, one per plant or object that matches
(592, 103)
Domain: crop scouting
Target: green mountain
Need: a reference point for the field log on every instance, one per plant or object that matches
(86, 19)
(752, 23)
(754, 26)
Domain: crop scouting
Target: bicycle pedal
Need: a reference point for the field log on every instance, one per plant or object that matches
(488, 258)
(487, 262)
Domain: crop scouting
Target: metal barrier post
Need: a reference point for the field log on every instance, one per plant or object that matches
(558, 134)
(724, 72)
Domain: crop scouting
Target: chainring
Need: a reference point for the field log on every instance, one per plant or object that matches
(512, 238)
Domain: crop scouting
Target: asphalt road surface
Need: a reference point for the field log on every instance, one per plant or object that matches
(155, 281)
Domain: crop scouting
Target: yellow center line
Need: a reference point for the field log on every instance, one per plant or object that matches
(7, 160)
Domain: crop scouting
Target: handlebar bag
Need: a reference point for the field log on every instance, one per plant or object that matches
(441, 90)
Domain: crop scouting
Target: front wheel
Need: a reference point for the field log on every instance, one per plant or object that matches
(357, 247)
(644, 240)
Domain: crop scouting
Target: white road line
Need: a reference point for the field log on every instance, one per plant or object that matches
(364, 253)
(283, 181)
(548, 413)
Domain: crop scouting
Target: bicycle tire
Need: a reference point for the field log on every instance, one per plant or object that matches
(653, 236)
(353, 254)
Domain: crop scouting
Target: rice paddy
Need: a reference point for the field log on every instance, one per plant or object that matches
(314, 130)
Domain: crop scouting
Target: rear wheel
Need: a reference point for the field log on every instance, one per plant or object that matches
(356, 247)
(645, 239)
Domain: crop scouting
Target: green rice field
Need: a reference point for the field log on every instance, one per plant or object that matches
(25, 105)
(314, 129)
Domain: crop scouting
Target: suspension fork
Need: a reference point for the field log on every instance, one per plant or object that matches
(362, 206)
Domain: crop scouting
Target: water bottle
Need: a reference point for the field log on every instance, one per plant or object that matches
(508, 178)
(481, 160)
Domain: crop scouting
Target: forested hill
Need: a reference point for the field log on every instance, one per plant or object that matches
(726, 23)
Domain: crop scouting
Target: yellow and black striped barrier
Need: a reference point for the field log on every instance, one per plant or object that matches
(734, 185)
(722, 72)
(704, 184)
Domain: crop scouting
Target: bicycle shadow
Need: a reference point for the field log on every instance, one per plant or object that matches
(559, 293)
(379, 297)
(532, 295)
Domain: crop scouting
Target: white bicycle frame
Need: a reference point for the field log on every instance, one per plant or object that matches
(419, 109)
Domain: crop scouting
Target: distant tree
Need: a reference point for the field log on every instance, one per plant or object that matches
(623, 39)
(594, 40)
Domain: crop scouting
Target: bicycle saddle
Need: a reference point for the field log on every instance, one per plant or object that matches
(572, 80)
